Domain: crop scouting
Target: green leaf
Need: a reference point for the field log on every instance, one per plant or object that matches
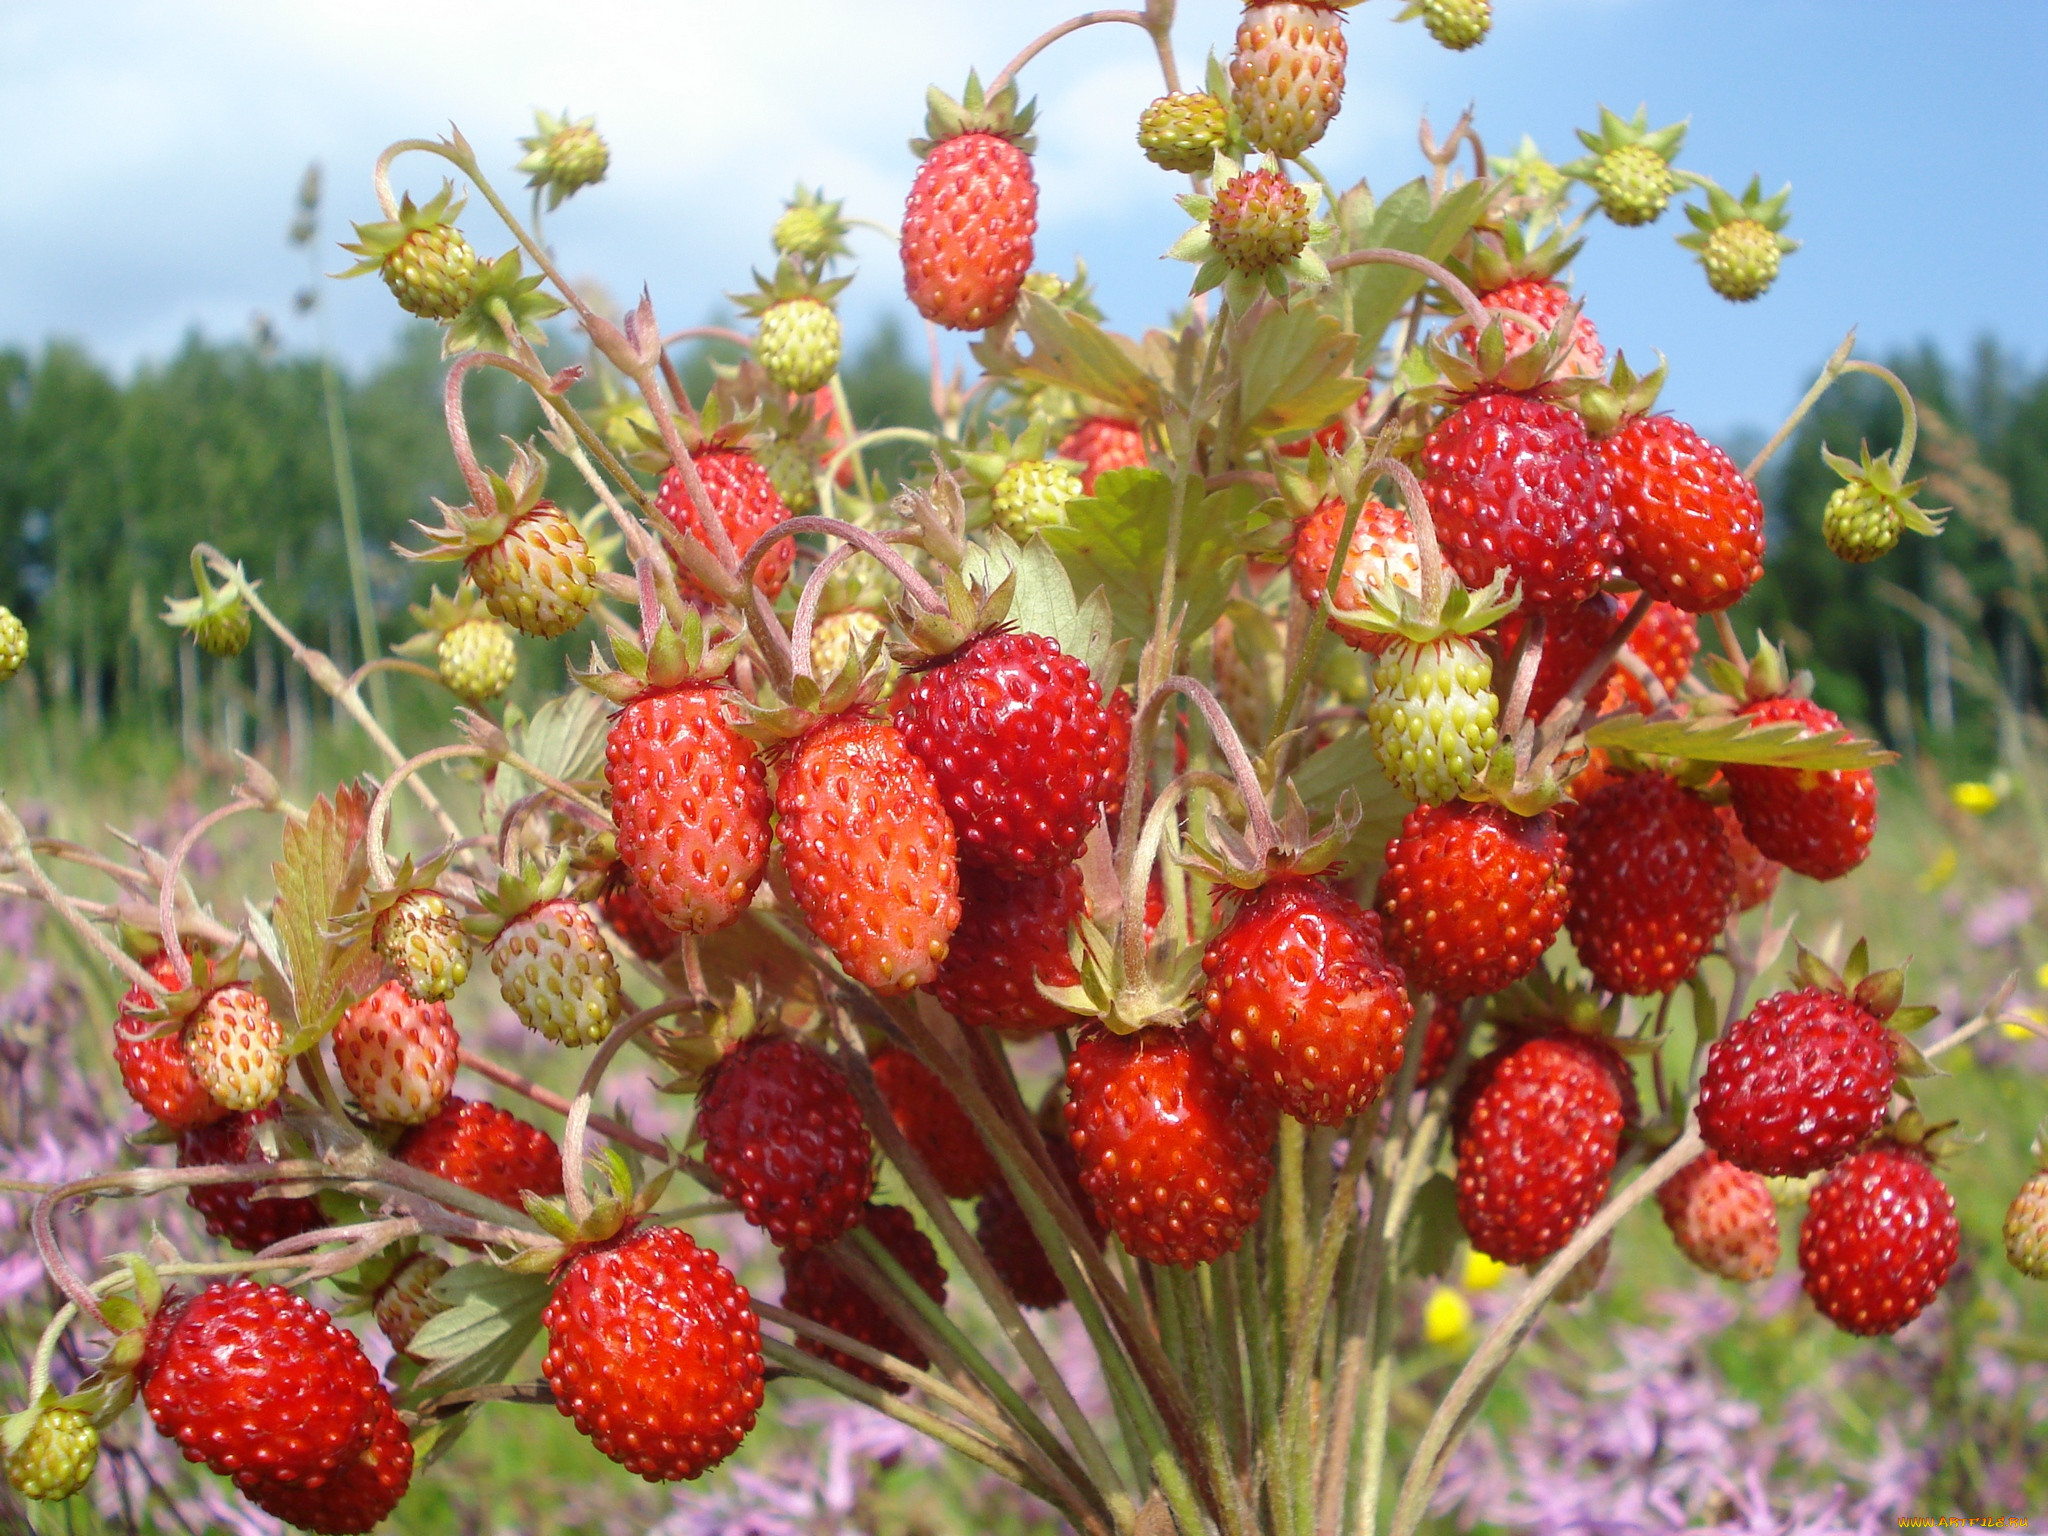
(1430, 1240)
(1116, 540)
(565, 738)
(1348, 763)
(493, 1317)
(1735, 739)
(319, 878)
(1405, 222)
(1042, 602)
(1071, 351)
(1293, 372)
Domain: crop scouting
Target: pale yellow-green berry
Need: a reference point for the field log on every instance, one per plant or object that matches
(838, 637)
(791, 470)
(419, 938)
(1033, 494)
(1182, 132)
(2026, 1228)
(1741, 259)
(1634, 184)
(13, 644)
(57, 1458)
(1860, 524)
(432, 273)
(540, 577)
(798, 345)
(223, 630)
(1432, 716)
(478, 659)
(557, 975)
(1458, 24)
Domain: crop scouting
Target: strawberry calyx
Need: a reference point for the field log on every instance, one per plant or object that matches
(522, 888)
(675, 657)
(1495, 257)
(210, 972)
(465, 530)
(1607, 405)
(614, 1216)
(377, 240)
(1878, 993)
(217, 617)
(999, 116)
(789, 283)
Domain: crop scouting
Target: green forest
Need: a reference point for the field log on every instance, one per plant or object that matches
(105, 484)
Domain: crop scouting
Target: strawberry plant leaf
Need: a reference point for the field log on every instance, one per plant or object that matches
(493, 1316)
(1348, 763)
(1043, 603)
(320, 877)
(1405, 221)
(1070, 351)
(1294, 374)
(1734, 739)
(1431, 1238)
(564, 737)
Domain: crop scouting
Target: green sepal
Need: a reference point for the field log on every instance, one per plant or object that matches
(1770, 212)
(999, 115)
(377, 240)
(507, 306)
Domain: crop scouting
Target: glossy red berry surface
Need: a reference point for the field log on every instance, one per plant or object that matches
(486, 1150)
(783, 1132)
(933, 1122)
(359, 1495)
(1798, 1083)
(1879, 1240)
(1652, 882)
(814, 1286)
(155, 1069)
(746, 502)
(1722, 1218)
(243, 1215)
(1691, 527)
(1012, 936)
(1815, 822)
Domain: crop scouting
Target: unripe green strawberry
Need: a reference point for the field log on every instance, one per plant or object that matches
(1182, 132)
(477, 660)
(432, 273)
(791, 469)
(1741, 259)
(1859, 524)
(539, 576)
(57, 1458)
(1457, 24)
(557, 974)
(224, 630)
(798, 345)
(1432, 716)
(1033, 494)
(839, 637)
(2026, 1228)
(406, 1300)
(1288, 74)
(1634, 184)
(13, 644)
(420, 939)
(807, 230)
(1259, 220)
(236, 1048)
(563, 157)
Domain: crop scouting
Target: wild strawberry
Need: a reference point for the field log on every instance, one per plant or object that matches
(654, 1350)
(1738, 240)
(539, 575)
(477, 659)
(420, 939)
(422, 257)
(357, 1497)
(404, 1303)
(814, 1286)
(1652, 882)
(1006, 1235)
(783, 1132)
(1012, 936)
(1756, 877)
(799, 345)
(1815, 822)
(1116, 755)
(1302, 1003)
(1691, 524)
(2026, 1228)
(690, 801)
(13, 644)
(1100, 444)
(745, 500)
(563, 156)
(972, 211)
(933, 1122)
(57, 1458)
(1628, 166)
(839, 637)
(1182, 132)
(1798, 1083)
(1665, 641)
(1456, 24)
(1880, 1238)
(485, 1150)
(1259, 220)
(155, 1069)
(1860, 523)
(1472, 895)
(554, 970)
(1573, 639)
(1032, 494)
(1172, 1147)
(1539, 1125)
(1440, 1042)
(1515, 486)
(1383, 556)
(633, 918)
(236, 1048)
(1013, 730)
(1334, 437)
(259, 1384)
(396, 1055)
(1723, 1218)
(1287, 73)
(242, 1215)
(869, 851)
(1544, 301)
(1432, 716)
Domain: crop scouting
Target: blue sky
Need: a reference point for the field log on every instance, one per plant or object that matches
(157, 149)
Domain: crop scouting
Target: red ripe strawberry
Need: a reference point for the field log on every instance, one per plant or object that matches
(259, 1384)
(155, 1071)
(1440, 1042)
(1333, 437)
(1797, 1084)
(1544, 302)
(783, 1132)
(1723, 1218)
(1756, 877)
(1879, 1240)
(1302, 1003)
(1383, 557)
(933, 1122)
(397, 1055)
(1103, 443)
(814, 1286)
(356, 1498)
(1172, 1148)
(691, 803)
(746, 502)
(1116, 755)
(1572, 638)
(1515, 485)
(1665, 642)
(1472, 895)
(486, 1150)
(1691, 527)
(869, 851)
(633, 918)
(1014, 732)
(1012, 935)
(1815, 823)
(972, 211)
(1652, 882)
(1539, 1124)
(238, 1214)
(1014, 1251)
(655, 1351)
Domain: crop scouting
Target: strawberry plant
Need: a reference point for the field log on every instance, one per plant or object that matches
(1296, 710)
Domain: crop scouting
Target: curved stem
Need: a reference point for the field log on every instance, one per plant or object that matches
(1523, 666)
(1052, 35)
(392, 664)
(167, 892)
(708, 333)
(806, 615)
(61, 1273)
(578, 1120)
(1137, 879)
(381, 176)
(1262, 834)
(473, 476)
(1421, 522)
(1310, 649)
(1828, 374)
(605, 1126)
(380, 807)
(920, 589)
(1909, 435)
(1476, 313)
(14, 844)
